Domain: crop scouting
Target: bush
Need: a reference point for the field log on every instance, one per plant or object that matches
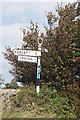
(48, 101)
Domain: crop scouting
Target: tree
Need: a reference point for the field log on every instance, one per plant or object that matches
(61, 62)
(24, 72)
(7, 85)
(61, 65)
(13, 84)
(66, 39)
(1, 80)
(62, 43)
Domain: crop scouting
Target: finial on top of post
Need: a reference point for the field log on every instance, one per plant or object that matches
(40, 41)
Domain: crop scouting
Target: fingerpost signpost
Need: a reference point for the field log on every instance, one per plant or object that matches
(32, 56)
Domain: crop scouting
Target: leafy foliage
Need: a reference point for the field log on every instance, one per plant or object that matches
(64, 57)
(7, 85)
(13, 84)
(61, 65)
(49, 103)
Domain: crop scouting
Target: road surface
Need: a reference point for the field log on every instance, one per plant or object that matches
(4, 96)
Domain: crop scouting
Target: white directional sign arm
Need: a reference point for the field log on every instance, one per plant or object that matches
(27, 52)
(27, 59)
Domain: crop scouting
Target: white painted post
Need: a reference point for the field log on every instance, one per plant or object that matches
(38, 68)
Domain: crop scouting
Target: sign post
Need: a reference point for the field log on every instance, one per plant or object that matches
(32, 56)
(40, 42)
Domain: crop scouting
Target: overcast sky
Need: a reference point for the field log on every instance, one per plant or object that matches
(16, 14)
